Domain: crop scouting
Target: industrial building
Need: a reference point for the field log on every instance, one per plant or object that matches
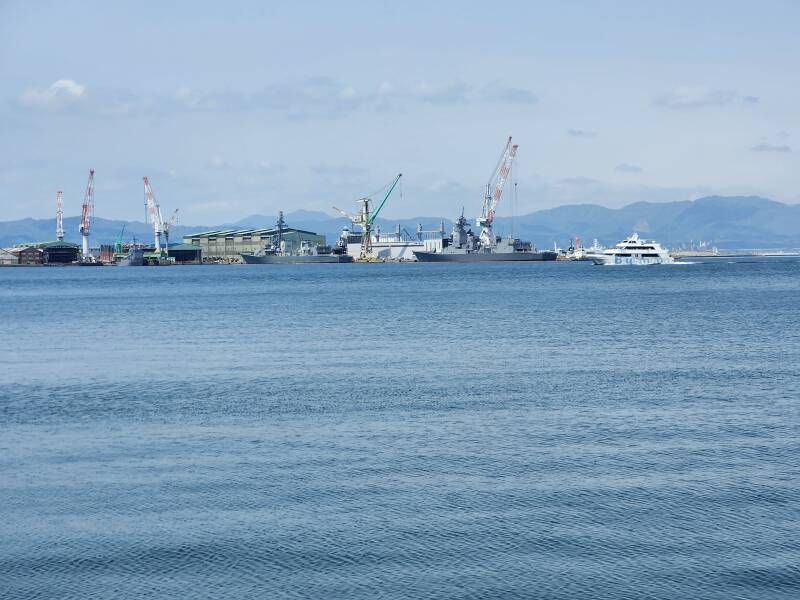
(227, 245)
(185, 254)
(29, 255)
(8, 257)
(399, 245)
(21, 255)
(59, 252)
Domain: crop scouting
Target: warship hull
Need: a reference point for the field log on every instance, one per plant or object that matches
(474, 257)
(134, 258)
(252, 259)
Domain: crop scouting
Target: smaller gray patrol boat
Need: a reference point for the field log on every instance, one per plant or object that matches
(279, 252)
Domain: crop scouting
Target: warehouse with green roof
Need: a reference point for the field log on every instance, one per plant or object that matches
(228, 245)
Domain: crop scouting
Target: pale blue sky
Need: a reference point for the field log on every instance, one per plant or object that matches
(237, 108)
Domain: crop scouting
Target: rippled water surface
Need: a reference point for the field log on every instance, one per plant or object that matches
(401, 431)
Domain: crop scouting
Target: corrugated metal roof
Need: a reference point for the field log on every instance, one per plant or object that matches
(241, 232)
(184, 247)
(55, 244)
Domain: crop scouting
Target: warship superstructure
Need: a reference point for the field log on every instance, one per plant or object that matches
(282, 251)
(464, 246)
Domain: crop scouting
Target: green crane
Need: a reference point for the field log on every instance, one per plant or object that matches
(385, 198)
(118, 243)
(367, 217)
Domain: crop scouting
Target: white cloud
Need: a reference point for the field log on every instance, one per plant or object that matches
(581, 133)
(694, 97)
(183, 93)
(218, 163)
(446, 186)
(764, 147)
(626, 168)
(314, 97)
(386, 88)
(497, 92)
(453, 92)
(60, 95)
(580, 181)
(347, 93)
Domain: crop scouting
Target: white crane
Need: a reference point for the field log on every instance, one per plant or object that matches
(59, 217)
(490, 201)
(173, 220)
(153, 211)
(87, 215)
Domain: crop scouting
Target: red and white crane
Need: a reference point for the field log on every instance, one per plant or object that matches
(87, 215)
(59, 217)
(490, 201)
(153, 213)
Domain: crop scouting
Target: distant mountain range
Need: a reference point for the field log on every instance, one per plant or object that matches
(728, 222)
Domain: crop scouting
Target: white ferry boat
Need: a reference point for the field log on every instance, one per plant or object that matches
(632, 251)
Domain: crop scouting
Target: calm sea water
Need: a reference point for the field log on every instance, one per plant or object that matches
(401, 431)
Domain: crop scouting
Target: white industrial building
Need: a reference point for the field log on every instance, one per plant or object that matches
(398, 245)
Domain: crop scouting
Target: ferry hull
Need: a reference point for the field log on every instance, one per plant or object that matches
(625, 261)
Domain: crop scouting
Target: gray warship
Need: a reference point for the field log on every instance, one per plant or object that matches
(279, 252)
(134, 258)
(465, 247)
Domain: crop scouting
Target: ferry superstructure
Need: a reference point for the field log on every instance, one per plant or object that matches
(632, 251)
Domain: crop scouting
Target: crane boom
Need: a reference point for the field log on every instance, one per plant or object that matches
(87, 214)
(168, 226)
(501, 180)
(59, 217)
(385, 198)
(153, 213)
(366, 217)
(118, 243)
(344, 214)
(490, 201)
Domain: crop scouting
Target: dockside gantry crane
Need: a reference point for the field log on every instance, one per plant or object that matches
(173, 220)
(59, 217)
(153, 213)
(491, 199)
(366, 217)
(87, 216)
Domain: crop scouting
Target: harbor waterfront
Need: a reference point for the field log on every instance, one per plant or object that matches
(505, 430)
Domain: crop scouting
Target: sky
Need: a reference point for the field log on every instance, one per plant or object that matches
(238, 108)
